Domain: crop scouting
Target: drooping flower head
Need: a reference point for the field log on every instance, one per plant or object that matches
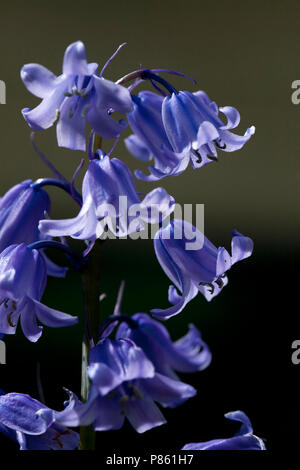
(179, 128)
(192, 123)
(76, 96)
(243, 440)
(188, 354)
(33, 425)
(111, 200)
(23, 277)
(192, 269)
(125, 384)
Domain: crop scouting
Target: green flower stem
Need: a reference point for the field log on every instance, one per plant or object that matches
(91, 291)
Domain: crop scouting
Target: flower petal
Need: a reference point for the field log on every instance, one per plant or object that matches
(30, 328)
(113, 362)
(235, 142)
(143, 414)
(137, 148)
(241, 247)
(70, 129)
(111, 95)
(233, 117)
(38, 79)
(18, 412)
(53, 318)
(103, 124)
(166, 391)
(74, 62)
(45, 114)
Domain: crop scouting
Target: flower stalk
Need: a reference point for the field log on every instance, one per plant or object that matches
(91, 289)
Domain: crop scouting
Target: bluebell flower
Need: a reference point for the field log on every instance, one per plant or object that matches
(125, 384)
(202, 268)
(76, 96)
(150, 139)
(23, 278)
(243, 440)
(192, 123)
(188, 354)
(178, 129)
(33, 425)
(110, 200)
(21, 209)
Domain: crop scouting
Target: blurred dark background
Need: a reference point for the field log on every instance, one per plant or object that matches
(242, 55)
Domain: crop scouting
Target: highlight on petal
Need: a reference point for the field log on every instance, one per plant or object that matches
(74, 62)
(244, 439)
(53, 318)
(38, 80)
(241, 247)
(47, 112)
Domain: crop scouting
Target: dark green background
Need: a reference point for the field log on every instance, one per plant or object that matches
(244, 55)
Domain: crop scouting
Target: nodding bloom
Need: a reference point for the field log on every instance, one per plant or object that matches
(76, 96)
(192, 124)
(23, 278)
(33, 425)
(150, 139)
(242, 440)
(111, 201)
(202, 268)
(21, 209)
(180, 128)
(125, 384)
(187, 354)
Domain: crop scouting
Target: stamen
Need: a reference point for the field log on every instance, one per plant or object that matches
(219, 282)
(211, 287)
(212, 157)
(123, 400)
(218, 143)
(10, 320)
(136, 391)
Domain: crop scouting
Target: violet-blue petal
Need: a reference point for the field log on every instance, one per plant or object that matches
(235, 142)
(17, 411)
(51, 317)
(111, 95)
(137, 148)
(30, 328)
(144, 414)
(38, 79)
(115, 361)
(243, 440)
(166, 391)
(108, 414)
(241, 247)
(103, 124)
(71, 126)
(74, 62)
(44, 115)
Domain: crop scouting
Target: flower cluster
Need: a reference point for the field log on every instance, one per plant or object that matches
(131, 364)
